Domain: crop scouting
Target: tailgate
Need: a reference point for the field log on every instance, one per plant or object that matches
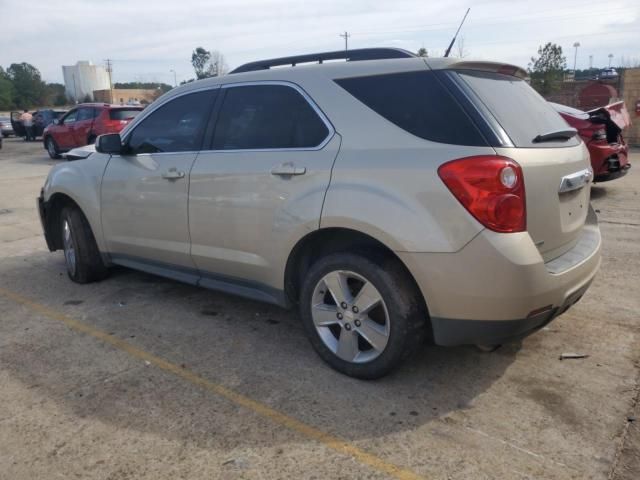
(557, 186)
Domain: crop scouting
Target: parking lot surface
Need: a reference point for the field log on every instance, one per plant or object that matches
(142, 377)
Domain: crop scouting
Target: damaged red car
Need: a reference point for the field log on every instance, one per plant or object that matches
(601, 130)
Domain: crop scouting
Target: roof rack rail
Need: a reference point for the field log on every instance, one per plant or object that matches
(351, 56)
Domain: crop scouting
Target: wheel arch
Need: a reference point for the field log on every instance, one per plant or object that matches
(333, 240)
(56, 203)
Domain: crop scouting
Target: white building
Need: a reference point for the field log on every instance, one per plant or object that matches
(83, 78)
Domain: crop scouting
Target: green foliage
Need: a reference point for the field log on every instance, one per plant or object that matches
(29, 89)
(422, 52)
(547, 70)
(6, 91)
(54, 95)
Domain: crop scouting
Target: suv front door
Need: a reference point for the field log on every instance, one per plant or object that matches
(260, 186)
(63, 133)
(145, 190)
(82, 129)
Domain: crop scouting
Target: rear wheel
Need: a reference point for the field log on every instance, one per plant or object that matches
(84, 262)
(52, 148)
(363, 317)
(91, 140)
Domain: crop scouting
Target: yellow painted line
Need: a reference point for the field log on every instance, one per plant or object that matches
(280, 418)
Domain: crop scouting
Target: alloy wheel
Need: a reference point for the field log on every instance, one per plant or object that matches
(51, 148)
(350, 316)
(69, 247)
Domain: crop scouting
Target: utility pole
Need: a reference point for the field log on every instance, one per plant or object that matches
(109, 70)
(575, 57)
(610, 58)
(346, 36)
(590, 62)
(175, 78)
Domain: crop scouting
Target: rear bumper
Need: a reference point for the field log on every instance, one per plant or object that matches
(608, 160)
(498, 288)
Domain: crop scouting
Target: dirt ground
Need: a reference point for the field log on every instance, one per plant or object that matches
(141, 377)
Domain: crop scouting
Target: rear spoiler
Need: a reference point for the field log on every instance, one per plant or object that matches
(478, 65)
(619, 114)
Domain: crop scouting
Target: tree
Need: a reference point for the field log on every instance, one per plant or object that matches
(546, 71)
(54, 95)
(27, 83)
(208, 64)
(422, 52)
(6, 91)
(199, 59)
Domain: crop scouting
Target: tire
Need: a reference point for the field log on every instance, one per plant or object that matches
(396, 325)
(83, 259)
(52, 148)
(91, 140)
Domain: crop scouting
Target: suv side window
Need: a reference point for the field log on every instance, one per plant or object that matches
(267, 117)
(70, 117)
(85, 113)
(418, 103)
(177, 126)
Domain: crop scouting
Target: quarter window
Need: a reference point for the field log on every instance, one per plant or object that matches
(177, 126)
(418, 103)
(267, 117)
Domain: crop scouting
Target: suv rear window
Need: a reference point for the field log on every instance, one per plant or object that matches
(123, 114)
(519, 109)
(418, 103)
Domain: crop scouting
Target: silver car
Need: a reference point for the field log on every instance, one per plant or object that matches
(392, 199)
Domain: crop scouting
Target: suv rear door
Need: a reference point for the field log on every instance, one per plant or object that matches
(261, 185)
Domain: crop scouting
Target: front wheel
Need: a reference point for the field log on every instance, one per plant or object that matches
(81, 254)
(362, 316)
(52, 148)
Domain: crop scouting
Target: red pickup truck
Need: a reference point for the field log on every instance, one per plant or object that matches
(82, 124)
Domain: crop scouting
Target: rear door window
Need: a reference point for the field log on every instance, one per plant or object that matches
(519, 109)
(267, 117)
(418, 103)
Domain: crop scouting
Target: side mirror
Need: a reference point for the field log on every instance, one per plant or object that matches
(56, 121)
(110, 143)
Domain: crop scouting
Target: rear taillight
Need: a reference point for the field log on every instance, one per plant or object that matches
(491, 188)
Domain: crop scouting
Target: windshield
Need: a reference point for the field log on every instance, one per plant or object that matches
(521, 111)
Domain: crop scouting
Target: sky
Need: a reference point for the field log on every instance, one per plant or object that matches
(146, 39)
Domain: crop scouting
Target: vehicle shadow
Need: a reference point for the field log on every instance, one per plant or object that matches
(598, 192)
(257, 350)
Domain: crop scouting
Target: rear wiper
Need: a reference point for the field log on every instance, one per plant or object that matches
(557, 135)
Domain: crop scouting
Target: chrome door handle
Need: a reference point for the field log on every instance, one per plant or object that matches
(287, 169)
(172, 174)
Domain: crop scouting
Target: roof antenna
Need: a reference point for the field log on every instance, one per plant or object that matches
(453, 40)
